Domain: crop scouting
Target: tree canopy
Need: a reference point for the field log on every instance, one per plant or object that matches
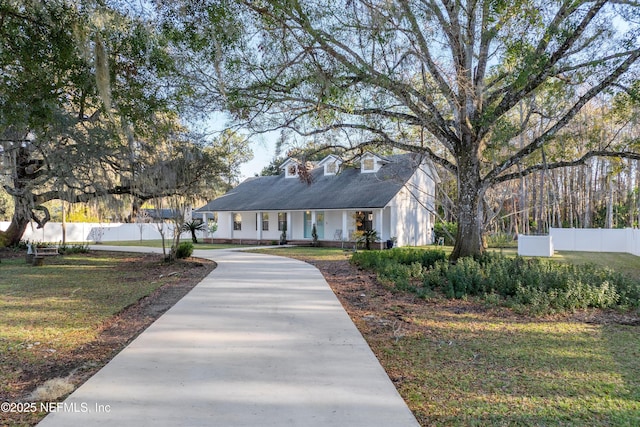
(481, 88)
(90, 107)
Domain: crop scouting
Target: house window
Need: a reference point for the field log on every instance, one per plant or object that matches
(282, 221)
(237, 222)
(292, 170)
(364, 221)
(368, 164)
(265, 221)
(332, 168)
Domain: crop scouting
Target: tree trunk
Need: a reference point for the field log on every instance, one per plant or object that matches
(19, 222)
(631, 194)
(609, 189)
(541, 208)
(470, 218)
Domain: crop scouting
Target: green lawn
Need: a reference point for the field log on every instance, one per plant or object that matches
(158, 244)
(324, 254)
(58, 307)
(458, 364)
(625, 263)
(479, 369)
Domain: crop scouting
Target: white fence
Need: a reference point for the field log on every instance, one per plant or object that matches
(96, 232)
(535, 245)
(625, 240)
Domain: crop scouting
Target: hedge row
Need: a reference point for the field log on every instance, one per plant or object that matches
(541, 285)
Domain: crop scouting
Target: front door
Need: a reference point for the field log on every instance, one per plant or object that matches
(308, 225)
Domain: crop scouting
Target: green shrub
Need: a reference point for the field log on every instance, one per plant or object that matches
(501, 240)
(538, 285)
(407, 256)
(401, 267)
(185, 249)
(77, 248)
(22, 245)
(447, 230)
(544, 286)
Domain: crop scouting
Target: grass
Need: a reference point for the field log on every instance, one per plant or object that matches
(622, 262)
(59, 306)
(320, 254)
(459, 364)
(475, 369)
(158, 244)
(454, 364)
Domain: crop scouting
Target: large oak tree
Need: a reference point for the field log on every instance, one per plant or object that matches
(88, 109)
(459, 81)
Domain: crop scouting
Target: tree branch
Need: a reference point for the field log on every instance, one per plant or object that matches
(563, 164)
(526, 84)
(546, 136)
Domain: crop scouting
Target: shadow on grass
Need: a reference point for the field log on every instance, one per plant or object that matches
(494, 372)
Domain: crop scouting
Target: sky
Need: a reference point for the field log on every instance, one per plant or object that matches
(264, 148)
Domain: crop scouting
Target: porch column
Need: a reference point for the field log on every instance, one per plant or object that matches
(379, 226)
(259, 226)
(231, 215)
(393, 226)
(289, 229)
(345, 232)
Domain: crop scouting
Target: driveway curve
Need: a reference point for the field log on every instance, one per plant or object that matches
(261, 341)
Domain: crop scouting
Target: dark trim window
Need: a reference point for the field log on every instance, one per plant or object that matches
(282, 221)
(265, 221)
(364, 221)
(237, 222)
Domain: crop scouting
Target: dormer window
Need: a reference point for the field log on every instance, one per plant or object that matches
(370, 163)
(331, 168)
(290, 167)
(331, 164)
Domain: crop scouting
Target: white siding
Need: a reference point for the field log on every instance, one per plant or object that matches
(410, 218)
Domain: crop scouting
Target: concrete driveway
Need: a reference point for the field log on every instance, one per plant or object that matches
(262, 341)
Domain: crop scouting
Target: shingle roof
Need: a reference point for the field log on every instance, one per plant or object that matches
(347, 190)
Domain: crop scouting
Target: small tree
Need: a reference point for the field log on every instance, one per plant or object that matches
(193, 226)
(179, 206)
(213, 227)
(283, 235)
(367, 237)
(314, 235)
(142, 218)
(160, 226)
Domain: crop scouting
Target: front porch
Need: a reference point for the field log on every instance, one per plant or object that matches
(335, 228)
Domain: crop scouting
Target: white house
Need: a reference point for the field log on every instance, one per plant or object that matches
(393, 195)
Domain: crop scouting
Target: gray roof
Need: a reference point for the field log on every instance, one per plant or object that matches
(165, 213)
(347, 190)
